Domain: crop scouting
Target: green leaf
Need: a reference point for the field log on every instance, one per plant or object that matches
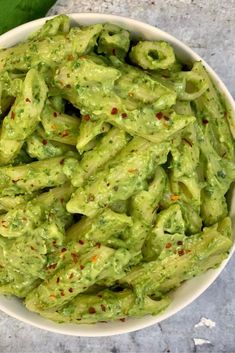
(15, 12)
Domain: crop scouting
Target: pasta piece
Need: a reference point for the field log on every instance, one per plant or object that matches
(93, 160)
(114, 40)
(50, 50)
(153, 55)
(73, 279)
(197, 254)
(41, 148)
(31, 177)
(100, 228)
(106, 305)
(60, 127)
(120, 179)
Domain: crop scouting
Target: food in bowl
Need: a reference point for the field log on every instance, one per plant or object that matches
(115, 162)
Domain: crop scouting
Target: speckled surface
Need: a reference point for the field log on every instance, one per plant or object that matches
(207, 26)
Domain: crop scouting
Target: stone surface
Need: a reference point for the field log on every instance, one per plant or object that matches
(209, 28)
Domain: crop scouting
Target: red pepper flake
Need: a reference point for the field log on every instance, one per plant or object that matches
(103, 308)
(166, 118)
(175, 197)
(32, 248)
(62, 293)
(205, 121)
(63, 249)
(71, 275)
(122, 319)
(188, 142)
(91, 310)
(13, 114)
(71, 290)
(44, 142)
(58, 280)
(94, 259)
(181, 252)
(159, 115)
(70, 57)
(55, 114)
(51, 266)
(114, 51)
(168, 245)
(81, 241)
(82, 267)
(74, 257)
(27, 100)
(124, 115)
(179, 242)
(114, 111)
(64, 133)
(98, 245)
(62, 161)
(86, 117)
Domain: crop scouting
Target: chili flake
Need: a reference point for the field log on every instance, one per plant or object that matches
(175, 197)
(62, 293)
(57, 279)
(13, 114)
(168, 245)
(44, 142)
(86, 117)
(27, 100)
(91, 310)
(64, 133)
(94, 259)
(124, 115)
(114, 51)
(71, 274)
(98, 245)
(205, 121)
(179, 242)
(159, 115)
(181, 252)
(82, 267)
(74, 257)
(71, 290)
(55, 114)
(81, 241)
(122, 319)
(62, 161)
(63, 249)
(52, 266)
(114, 111)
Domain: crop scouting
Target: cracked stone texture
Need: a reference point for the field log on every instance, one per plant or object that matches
(209, 28)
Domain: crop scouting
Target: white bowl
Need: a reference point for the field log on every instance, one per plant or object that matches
(191, 289)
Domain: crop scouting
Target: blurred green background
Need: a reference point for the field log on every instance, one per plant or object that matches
(15, 12)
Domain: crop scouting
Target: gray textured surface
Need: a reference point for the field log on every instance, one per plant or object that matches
(209, 28)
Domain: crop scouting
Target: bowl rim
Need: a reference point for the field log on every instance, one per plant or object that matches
(139, 323)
